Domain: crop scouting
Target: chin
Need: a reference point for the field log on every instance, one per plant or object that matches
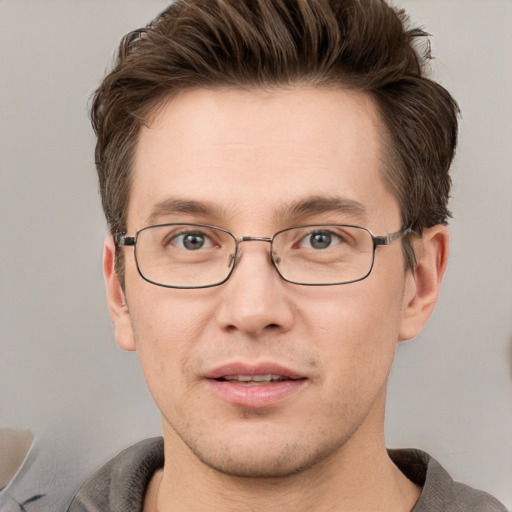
(264, 460)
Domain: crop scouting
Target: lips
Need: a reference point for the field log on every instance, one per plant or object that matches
(253, 371)
(254, 386)
(251, 380)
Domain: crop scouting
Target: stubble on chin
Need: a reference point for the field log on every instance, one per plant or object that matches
(260, 459)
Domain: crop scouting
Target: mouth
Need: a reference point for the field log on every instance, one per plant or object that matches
(254, 386)
(253, 380)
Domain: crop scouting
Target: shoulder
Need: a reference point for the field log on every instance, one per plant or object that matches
(120, 484)
(440, 491)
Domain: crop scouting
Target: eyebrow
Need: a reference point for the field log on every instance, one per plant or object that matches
(317, 205)
(296, 210)
(173, 206)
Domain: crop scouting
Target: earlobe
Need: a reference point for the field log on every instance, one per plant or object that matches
(116, 298)
(424, 282)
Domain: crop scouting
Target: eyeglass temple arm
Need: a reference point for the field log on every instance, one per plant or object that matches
(391, 237)
(121, 240)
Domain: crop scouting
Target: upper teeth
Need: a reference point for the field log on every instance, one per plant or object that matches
(254, 378)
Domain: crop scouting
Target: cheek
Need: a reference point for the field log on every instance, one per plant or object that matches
(167, 325)
(357, 331)
(163, 317)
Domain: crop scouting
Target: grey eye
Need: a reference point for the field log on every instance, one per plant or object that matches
(193, 241)
(320, 239)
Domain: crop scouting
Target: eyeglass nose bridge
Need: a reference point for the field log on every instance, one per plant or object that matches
(241, 239)
(235, 258)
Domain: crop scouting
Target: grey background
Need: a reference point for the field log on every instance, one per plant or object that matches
(60, 370)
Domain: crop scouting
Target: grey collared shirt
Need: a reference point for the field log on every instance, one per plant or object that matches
(120, 485)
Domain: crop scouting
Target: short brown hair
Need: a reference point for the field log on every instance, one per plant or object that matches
(360, 44)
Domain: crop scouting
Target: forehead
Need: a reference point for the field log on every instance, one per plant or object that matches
(256, 151)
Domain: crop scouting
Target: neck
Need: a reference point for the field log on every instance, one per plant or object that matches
(357, 477)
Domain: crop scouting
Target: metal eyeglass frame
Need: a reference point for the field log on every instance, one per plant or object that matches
(121, 240)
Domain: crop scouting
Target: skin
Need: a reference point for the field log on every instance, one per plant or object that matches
(248, 155)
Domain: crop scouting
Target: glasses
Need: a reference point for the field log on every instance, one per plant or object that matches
(202, 256)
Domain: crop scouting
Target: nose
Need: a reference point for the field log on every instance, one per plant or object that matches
(255, 300)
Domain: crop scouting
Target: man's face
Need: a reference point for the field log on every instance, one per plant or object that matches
(249, 159)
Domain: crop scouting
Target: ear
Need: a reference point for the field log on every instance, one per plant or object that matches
(116, 298)
(424, 282)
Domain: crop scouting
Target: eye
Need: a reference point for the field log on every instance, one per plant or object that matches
(191, 241)
(320, 239)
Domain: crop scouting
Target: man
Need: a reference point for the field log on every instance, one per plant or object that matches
(275, 178)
